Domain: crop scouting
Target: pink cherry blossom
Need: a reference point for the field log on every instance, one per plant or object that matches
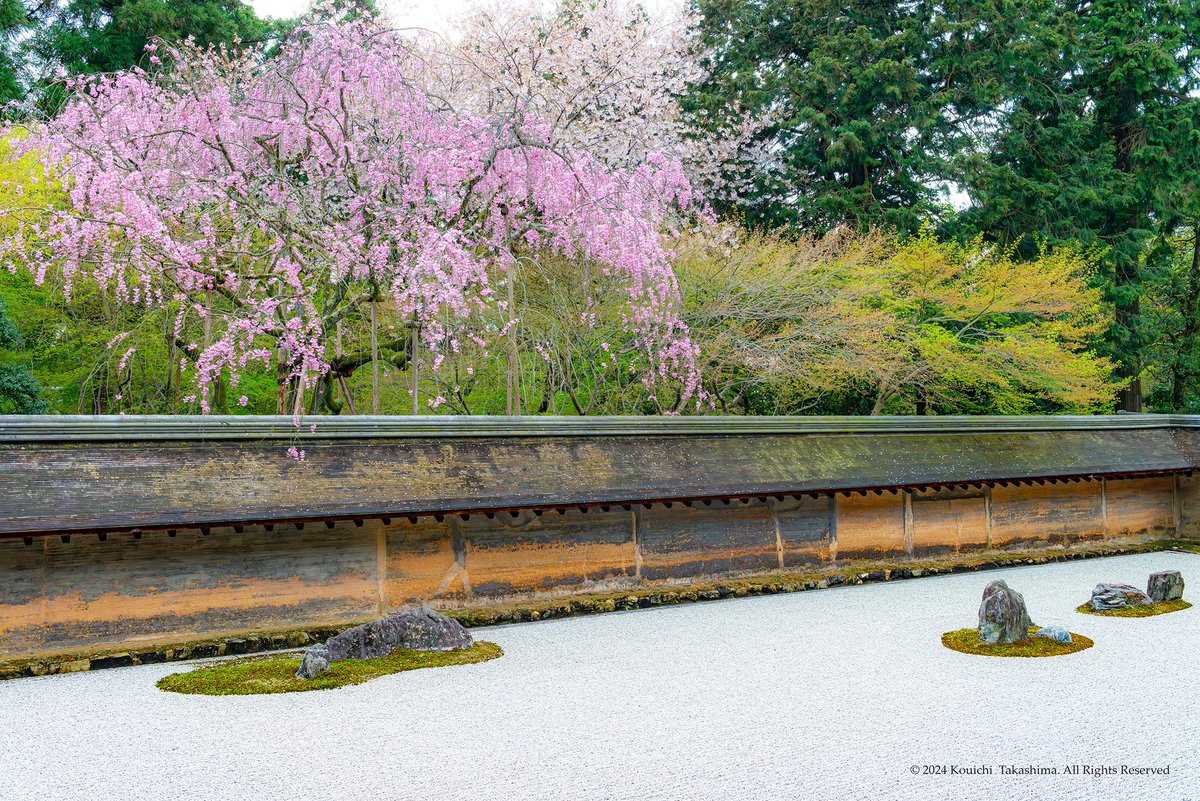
(270, 196)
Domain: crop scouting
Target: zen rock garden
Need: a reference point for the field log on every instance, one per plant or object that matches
(1005, 627)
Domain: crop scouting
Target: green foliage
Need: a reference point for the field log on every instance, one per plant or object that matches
(20, 392)
(276, 673)
(94, 36)
(13, 23)
(976, 329)
(866, 323)
(1104, 149)
(785, 324)
(866, 102)
(1067, 123)
(1172, 314)
(844, 97)
(87, 36)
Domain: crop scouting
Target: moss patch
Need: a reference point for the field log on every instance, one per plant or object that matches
(275, 673)
(1159, 608)
(967, 641)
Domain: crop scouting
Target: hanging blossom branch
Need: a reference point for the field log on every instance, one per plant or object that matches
(270, 197)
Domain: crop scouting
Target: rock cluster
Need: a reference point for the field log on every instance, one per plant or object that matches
(1165, 586)
(1002, 615)
(419, 629)
(1107, 596)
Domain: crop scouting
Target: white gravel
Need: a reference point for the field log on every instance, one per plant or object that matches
(837, 694)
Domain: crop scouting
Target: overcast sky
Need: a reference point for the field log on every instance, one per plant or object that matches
(420, 13)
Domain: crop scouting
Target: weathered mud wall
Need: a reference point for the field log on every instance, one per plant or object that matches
(61, 475)
(79, 592)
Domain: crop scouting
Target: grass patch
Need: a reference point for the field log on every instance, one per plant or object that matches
(967, 641)
(1150, 610)
(275, 673)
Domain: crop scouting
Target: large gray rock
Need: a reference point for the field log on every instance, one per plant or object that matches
(1002, 615)
(418, 628)
(1056, 633)
(1117, 596)
(1165, 586)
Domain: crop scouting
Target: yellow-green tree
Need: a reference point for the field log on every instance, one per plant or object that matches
(783, 321)
(975, 329)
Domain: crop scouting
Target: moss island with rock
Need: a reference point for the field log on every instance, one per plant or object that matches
(1140, 610)
(406, 639)
(1006, 630)
(1164, 593)
(276, 673)
(967, 641)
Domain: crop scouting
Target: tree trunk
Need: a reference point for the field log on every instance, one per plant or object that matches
(374, 359)
(880, 398)
(1182, 376)
(1123, 127)
(513, 385)
(220, 397)
(414, 365)
(1130, 398)
(341, 379)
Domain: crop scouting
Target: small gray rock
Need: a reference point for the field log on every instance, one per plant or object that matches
(314, 662)
(1002, 615)
(1056, 633)
(1117, 596)
(1165, 586)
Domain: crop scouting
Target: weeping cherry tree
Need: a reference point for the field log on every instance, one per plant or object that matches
(261, 199)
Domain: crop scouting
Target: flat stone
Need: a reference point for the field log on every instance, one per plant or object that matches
(151, 657)
(1002, 615)
(1165, 586)
(1056, 633)
(417, 628)
(1107, 596)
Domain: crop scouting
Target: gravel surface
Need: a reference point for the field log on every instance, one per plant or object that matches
(836, 694)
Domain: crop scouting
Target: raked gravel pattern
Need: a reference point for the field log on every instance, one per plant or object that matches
(836, 694)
